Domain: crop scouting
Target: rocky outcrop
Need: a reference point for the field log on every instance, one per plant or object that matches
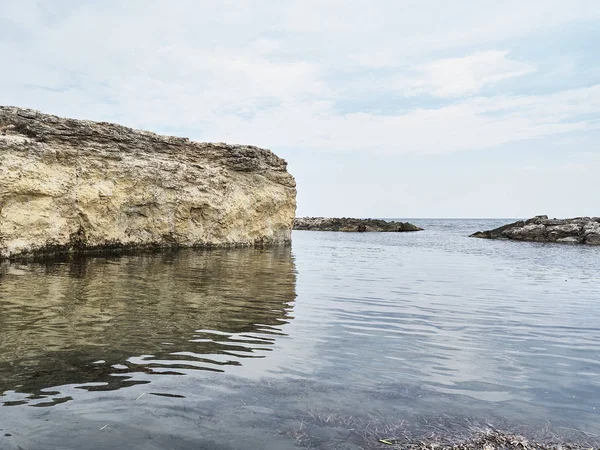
(72, 185)
(356, 225)
(580, 230)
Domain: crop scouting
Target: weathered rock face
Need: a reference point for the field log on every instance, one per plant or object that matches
(70, 185)
(580, 230)
(356, 225)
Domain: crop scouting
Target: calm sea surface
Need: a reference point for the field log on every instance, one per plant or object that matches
(318, 346)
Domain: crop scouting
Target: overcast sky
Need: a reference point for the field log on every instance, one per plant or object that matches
(395, 108)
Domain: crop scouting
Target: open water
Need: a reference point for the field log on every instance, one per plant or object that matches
(323, 345)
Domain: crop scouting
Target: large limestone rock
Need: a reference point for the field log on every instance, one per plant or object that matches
(71, 185)
(348, 224)
(580, 230)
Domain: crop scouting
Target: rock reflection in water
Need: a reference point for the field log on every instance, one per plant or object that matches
(96, 321)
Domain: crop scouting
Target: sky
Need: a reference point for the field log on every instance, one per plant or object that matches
(396, 109)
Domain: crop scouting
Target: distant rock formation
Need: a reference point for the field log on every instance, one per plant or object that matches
(580, 230)
(351, 225)
(72, 185)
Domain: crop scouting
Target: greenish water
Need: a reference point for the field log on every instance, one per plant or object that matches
(299, 347)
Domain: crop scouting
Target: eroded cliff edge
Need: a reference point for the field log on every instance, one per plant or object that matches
(72, 185)
(579, 230)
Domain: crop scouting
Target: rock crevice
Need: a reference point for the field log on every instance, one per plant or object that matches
(74, 185)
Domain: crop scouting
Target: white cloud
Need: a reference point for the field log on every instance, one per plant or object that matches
(273, 74)
(457, 77)
(406, 30)
(471, 124)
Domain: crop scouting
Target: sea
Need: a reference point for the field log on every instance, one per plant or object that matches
(337, 342)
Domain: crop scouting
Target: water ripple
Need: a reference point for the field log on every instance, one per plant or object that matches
(432, 315)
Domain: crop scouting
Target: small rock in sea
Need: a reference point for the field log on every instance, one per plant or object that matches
(579, 230)
(352, 225)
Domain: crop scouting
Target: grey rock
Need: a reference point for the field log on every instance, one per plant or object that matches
(591, 233)
(532, 232)
(352, 225)
(563, 231)
(570, 240)
(578, 230)
(537, 220)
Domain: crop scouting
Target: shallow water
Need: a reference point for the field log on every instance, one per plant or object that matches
(242, 348)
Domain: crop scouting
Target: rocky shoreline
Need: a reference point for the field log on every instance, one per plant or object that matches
(352, 225)
(579, 230)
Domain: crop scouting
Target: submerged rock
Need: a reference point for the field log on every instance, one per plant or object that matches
(580, 230)
(73, 185)
(356, 225)
(447, 432)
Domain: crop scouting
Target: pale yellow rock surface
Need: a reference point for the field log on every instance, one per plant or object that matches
(70, 185)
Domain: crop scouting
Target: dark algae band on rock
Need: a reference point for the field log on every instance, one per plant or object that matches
(579, 230)
(72, 186)
(352, 225)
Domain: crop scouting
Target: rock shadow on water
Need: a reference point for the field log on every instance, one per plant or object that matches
(109, 323)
